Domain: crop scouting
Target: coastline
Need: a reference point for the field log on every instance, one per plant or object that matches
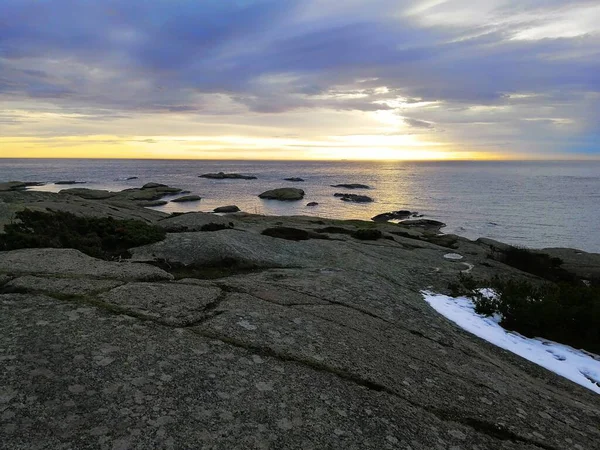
(216, 331)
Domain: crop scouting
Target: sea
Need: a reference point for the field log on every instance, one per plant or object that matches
(531, 204)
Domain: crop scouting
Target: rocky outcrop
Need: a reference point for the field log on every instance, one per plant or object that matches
(355, 198)
(187, 198)
(427, 224)
(283, 194)
(18, 185)
(352, 186)
(227, 176)
(393, 215)
(226, 209)
(265, 343)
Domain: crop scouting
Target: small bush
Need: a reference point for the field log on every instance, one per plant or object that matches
(365, 234)
(564, 312)
(100, 237)
(535, 263)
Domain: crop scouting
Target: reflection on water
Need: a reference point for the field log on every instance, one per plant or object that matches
(533, 204)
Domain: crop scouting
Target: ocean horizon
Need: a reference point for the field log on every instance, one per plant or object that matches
(531, 203)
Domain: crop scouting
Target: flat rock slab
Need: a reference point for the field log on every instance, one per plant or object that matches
(192, 221)
(78, 377)
(169, 303)
(61, 261)
(65, 286)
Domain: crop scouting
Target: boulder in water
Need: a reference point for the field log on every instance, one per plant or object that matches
(355, 198)
(286, 194)
(294, 179)
(393, 215)
(351, 186)
(187, 198)
(230, 176)
(227, 209)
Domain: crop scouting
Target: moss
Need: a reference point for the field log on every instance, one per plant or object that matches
(100, 237)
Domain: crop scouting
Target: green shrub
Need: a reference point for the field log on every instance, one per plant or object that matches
(534, 262)
(100, 237)
(564, 312)
(365, 234)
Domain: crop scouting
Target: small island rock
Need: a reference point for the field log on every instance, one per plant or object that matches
(227, 209)
(294, 179)
(355, 198)
(352, 186)
(312, 204)
(283, 194)
(187, 198)
(231, 176)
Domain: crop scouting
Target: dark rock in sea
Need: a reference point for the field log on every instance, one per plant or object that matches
(352, 186)
(69, 182)
(393, 215)
(154, 185)
(355, 198)
(227, 209)
(427, 224)
(283, 194)
(231, 176)
(132, 178)
(312, 204)
(187, 198)
(295, 179)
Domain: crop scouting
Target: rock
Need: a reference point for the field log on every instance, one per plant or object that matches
(65, 286)
(393, 215)
(132, 178)
(187, 198)
(18, 185)
(69, 182)
(351, 186)
(312, 204)
(153, 185)
(231, 176)
(194, 221)
(226, 209)
(291, 234)
(283, 194)
(423, 223)
(66, 261)
(294, 179)
(152, 203)
(186, 303)
(89, 194)
(355, 198)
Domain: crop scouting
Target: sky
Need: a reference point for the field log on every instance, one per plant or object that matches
(300, 79)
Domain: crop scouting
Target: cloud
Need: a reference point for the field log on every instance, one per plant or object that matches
(496, 73)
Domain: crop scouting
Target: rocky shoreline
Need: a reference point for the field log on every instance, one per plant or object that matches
(247, 331)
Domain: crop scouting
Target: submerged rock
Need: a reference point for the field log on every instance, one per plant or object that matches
(231, 176)
(18, 185)
(226, 209)
(187, 198)
(69, 182)
(294, 179)
(351, 186)
(283, 194)
(423, 223)
(312, 204)
(355, 198)
(154, 185)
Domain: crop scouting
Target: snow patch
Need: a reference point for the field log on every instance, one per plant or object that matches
(578, 366)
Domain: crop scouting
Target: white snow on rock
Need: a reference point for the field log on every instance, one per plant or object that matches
(576, 365)
(454, 256)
